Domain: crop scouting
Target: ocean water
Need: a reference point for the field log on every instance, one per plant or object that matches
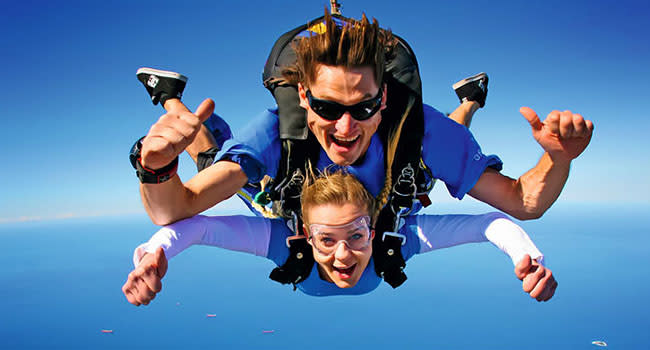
(60, 285)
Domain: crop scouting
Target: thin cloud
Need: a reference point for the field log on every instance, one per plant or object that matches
(231, 206)
(64, 216)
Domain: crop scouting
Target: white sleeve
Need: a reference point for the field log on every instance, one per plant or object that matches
(442, 231)
(512, 240)
(247, 234)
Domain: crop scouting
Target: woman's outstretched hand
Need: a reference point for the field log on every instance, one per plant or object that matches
(538, 281)
(145, 281)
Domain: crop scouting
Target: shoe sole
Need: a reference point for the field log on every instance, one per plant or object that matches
(161, 73)
(473, 78)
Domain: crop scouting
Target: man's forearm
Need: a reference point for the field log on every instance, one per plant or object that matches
(542, 185)
(166, 202)
(172, 200)
(563, 136)
(530, 195)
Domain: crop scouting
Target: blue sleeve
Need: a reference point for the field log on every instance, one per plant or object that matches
(452, 153)
(257, 147)
(219, 129)
(278, 250)
(410, 230)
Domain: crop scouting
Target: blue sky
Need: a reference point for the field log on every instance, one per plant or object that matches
(72, 107)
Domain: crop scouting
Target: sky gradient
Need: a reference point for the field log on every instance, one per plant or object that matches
(72, 107)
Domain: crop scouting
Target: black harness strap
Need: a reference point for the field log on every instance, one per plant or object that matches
(293, 124)
(298, 265)
(285, 193)
(387, 252)
(405, 91)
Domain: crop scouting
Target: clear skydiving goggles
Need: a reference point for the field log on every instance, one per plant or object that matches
(326, 238)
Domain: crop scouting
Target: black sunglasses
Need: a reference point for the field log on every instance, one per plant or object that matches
(331, 110)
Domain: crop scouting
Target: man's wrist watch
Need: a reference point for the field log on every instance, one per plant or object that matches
(146, 175)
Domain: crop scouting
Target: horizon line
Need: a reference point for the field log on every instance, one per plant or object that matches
(244, 210)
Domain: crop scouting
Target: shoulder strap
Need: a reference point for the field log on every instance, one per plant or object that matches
(293, 123)
(387, 245)
(405, 91)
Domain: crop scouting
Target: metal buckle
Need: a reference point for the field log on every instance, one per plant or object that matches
(402, 211)
(406, 179)
(293, 223)
(394, 234)
(294, 184)
(291, 238)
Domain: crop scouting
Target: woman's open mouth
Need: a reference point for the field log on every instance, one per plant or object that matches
(345, 273)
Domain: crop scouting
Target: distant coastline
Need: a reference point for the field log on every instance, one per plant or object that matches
(467, 206)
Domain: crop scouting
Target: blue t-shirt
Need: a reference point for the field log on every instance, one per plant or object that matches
(219, 129)
(448, 149)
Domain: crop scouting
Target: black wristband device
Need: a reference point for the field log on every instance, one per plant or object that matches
(146, 175)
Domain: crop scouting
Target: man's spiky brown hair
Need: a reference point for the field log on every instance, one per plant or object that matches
(353, 44)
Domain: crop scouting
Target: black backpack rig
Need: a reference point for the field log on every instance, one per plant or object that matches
(299, 145)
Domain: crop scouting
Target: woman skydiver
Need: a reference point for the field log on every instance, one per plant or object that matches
(338, 214)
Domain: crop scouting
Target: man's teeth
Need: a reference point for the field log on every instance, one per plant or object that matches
(345, 139)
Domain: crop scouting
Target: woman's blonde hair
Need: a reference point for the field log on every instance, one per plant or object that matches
(334, 187)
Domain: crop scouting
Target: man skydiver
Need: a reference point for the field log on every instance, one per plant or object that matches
(346, 83)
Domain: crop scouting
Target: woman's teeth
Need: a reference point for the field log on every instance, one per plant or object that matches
(347, 271)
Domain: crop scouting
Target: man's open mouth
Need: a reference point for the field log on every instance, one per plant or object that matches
(346, 142)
